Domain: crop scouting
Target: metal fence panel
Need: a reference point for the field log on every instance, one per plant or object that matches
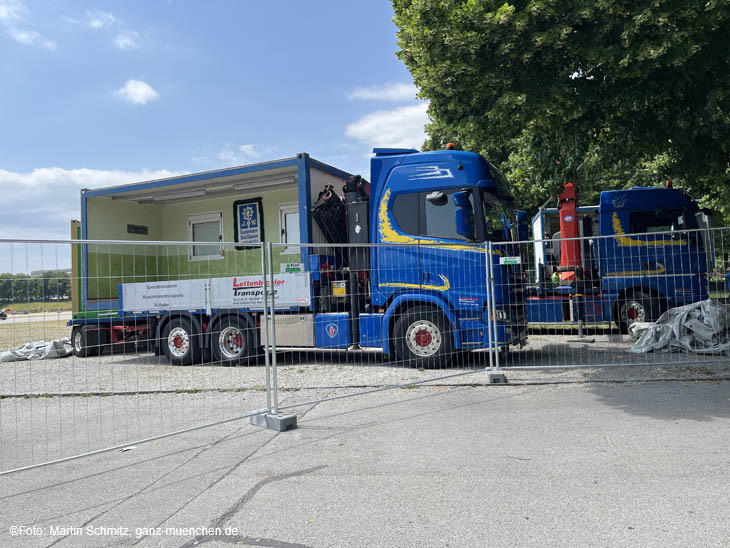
(156, 325)
(421, 316)
(122, 385)
(581, 313)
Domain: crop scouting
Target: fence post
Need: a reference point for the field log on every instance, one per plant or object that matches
(494, 375)
(266, 328)
(275, 383)
(272, 419)
(488, 280)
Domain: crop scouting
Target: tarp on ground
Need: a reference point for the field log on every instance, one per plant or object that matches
(702, 328)
(38, 350)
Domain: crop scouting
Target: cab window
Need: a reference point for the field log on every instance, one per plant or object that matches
(496, 218)
(657, 221)
(440, 215)
(405, 212)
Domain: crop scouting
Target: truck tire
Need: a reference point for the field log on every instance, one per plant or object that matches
(637, 306)
(231, 341)
(85, 343)
(180, 343)
(423, 338)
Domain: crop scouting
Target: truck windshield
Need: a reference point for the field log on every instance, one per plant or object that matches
(497, 215)
(660, 220)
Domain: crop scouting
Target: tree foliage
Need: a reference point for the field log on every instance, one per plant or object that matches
(617, 92)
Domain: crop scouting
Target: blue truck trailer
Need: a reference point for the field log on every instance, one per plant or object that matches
(399, 264)
(641, 251)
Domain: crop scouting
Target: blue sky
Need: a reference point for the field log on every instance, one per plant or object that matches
(101, 93)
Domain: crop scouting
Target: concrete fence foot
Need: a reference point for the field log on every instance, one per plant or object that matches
(496, 377)
(279, 421)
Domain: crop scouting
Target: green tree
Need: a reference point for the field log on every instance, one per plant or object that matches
(617, 92)
(56, 284)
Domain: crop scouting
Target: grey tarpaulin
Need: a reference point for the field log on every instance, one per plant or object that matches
(702, 327)
(38, 350)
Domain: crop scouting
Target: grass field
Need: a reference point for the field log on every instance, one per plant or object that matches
(48, 306)
(14, 334)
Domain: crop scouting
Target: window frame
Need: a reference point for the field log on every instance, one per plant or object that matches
(199, 218)
(284, 209)
(236, 228)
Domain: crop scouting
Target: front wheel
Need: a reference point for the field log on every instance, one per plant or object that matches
(180, 343)
(231, 341)
(423, 338)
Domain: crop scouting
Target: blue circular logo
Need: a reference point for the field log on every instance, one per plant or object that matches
(331, 330)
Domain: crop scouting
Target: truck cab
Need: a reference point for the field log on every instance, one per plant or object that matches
(653, 257)
(642, 251)
(440, 209)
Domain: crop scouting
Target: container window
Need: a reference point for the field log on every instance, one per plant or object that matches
(205, 227)
(289, 227)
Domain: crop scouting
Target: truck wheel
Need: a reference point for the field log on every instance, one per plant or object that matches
(637, 306)
(231, 341)
(180, 343)
(85, 343)
(423, 338)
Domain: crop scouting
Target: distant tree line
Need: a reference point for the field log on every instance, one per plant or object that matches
(21, 288)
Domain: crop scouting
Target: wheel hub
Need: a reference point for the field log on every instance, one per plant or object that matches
(230, 342)
(634, 312)
(178, 341)
(423, 338)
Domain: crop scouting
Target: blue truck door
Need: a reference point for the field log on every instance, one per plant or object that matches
(453, 265)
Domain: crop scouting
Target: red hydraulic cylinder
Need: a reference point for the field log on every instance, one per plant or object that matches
(568, 211)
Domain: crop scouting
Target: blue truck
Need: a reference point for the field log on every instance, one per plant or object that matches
(399, 264)
(643, 250)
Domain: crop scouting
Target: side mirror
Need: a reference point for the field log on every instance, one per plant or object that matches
(465, 223)
(461, 199)
(437, 198)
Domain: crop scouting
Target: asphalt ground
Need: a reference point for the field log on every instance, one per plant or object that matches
(577, 464)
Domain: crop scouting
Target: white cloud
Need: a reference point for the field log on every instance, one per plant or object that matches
(100, 19)
(69, 20)
(401, 127)
(137, 92)
(124, 39)
(127, 39)
(10, 11)
(31, 38)
(40, 204)
(385, 92)
(235, 154)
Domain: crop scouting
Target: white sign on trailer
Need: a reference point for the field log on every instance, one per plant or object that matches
(290, 290)
(155, 296)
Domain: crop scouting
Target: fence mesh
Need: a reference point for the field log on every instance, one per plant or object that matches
(135, 371)
(589, 299)
(394, 325)
(169, 336)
